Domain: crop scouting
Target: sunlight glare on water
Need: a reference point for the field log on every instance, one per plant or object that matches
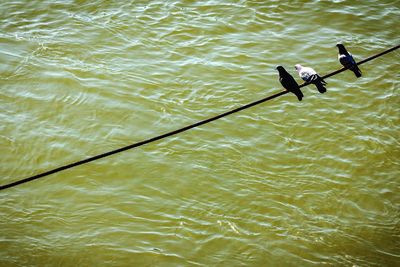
(285, 183)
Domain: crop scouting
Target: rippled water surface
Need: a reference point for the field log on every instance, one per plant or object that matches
(285, 183)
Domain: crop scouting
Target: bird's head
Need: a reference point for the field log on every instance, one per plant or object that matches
(342, 50)
(280, 68)
(298, 67)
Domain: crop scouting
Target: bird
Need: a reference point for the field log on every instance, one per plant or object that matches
(347, 60)
(311, 76)
(289, 83)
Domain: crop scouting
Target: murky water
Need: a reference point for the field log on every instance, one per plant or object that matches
(285, 183)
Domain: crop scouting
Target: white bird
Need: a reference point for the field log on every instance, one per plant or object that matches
(311, 76)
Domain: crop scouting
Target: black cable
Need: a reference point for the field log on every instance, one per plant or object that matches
(197, 124)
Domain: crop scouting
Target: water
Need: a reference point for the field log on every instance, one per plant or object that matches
(285, 183)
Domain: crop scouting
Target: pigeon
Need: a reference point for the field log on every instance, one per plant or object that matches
(311, 76)
(347, 60)
(289, 83)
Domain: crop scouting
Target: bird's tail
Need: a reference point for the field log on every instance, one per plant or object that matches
(320, 86)
(299, 95)
(319, 83)
(356, 71)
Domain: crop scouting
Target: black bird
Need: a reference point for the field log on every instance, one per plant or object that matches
(310, 75)
(347, 60)
(289, 83)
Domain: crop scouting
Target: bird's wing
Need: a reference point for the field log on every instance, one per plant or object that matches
(345, 60)
(305, 75)
(309, 70)
(290, 83)
(351, 59)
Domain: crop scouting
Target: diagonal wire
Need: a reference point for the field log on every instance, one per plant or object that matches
(180, 130)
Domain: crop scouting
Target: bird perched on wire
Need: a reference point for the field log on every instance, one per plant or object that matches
(347, 60)
(311, 76)
(289, 83)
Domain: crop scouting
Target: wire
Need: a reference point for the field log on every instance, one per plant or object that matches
(186, 128)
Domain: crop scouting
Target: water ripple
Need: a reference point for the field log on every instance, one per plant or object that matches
(309, 183)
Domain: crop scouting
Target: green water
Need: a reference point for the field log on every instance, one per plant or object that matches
(285, 183)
